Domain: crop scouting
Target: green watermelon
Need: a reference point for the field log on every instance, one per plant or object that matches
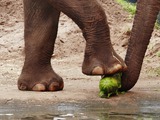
(109, 85)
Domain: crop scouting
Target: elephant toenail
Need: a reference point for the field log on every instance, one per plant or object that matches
(98, 71)
(115, 69)
(39, 87)
(118, 67)
(54, 86)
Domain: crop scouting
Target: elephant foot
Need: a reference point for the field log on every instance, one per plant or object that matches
(103, 65)
(42, 81)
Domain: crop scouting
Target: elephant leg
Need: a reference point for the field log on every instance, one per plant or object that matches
(99, 58)
(41, 24)
(143, 25)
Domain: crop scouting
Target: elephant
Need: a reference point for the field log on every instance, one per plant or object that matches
(145, 18)
(41, 24)
(41, 19)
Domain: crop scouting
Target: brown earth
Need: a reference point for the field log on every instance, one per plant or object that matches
(68, 57)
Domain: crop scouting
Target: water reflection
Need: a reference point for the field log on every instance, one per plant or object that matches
(79, 111)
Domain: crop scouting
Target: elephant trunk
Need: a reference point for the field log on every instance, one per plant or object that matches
(143, 25)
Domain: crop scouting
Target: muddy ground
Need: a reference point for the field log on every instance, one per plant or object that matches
(68, 58)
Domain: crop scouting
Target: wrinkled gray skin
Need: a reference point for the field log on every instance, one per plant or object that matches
(41, 24)
(145, 18)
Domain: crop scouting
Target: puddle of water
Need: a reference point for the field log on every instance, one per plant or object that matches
(79, 111)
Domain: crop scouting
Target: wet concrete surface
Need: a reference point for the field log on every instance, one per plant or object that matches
(141, 103)
(142, 110)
